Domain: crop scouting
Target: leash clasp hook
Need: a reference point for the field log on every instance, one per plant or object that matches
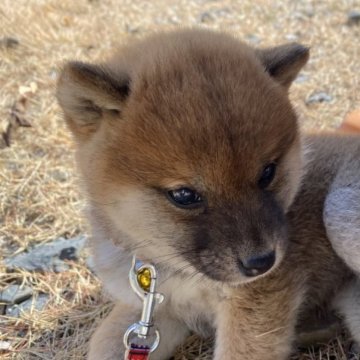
(143, 281)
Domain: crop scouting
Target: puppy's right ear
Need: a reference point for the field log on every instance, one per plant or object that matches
(284, 62)
(89, 94)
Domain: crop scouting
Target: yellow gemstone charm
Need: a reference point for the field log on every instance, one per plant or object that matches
(144, 279)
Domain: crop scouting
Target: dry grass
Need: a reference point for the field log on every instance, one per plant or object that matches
(39, 197)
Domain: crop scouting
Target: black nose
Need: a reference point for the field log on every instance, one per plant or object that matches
(257, 265)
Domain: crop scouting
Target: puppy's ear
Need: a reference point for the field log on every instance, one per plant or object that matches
(284, 62)
(88, 94)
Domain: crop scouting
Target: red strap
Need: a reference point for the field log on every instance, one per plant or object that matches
(138, 354)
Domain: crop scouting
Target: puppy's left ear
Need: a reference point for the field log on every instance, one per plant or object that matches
(284, 62)
(90, 95)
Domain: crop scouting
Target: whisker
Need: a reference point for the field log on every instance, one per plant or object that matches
(175, 272)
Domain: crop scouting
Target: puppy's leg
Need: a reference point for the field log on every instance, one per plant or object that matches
(107, 342)
(348, 304)
(256, 323)
(342, 222)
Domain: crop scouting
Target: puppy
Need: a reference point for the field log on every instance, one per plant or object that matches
(192, 159)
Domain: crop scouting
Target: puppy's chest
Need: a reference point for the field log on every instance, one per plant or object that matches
(193, 303)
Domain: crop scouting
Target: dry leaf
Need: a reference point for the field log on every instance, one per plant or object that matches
(17, 119)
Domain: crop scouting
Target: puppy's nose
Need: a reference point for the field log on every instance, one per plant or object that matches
(257, 265)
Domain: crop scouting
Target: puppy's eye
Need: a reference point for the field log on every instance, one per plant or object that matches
(267, 176)
(185, 198)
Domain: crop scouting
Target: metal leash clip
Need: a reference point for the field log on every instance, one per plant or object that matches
(143, 281)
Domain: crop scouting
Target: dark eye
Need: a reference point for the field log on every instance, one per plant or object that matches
(185, 198)
(267, 176)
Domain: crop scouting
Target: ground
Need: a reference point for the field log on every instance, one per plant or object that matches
(39, 192)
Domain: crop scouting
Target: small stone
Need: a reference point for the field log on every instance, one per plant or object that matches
(48, 257)
(253, 39)
(224, 12)
(59, 175)
(9, 42)
(14, 294)
(40, 153)
(53, 73)
(319, 97)
(214, 14)
(301, 78)
(309, 11)
(354, 17)
(37, 304)
(291, 37)
(12, 311)
(206, 17)
(5, 345)
(132, 29)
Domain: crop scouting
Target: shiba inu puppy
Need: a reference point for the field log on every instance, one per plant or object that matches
(192, 159)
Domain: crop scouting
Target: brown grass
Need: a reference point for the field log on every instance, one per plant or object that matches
(39, 198)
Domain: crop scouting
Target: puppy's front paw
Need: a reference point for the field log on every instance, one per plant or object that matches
(106, 346)
(106, 351)
(107, 341)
